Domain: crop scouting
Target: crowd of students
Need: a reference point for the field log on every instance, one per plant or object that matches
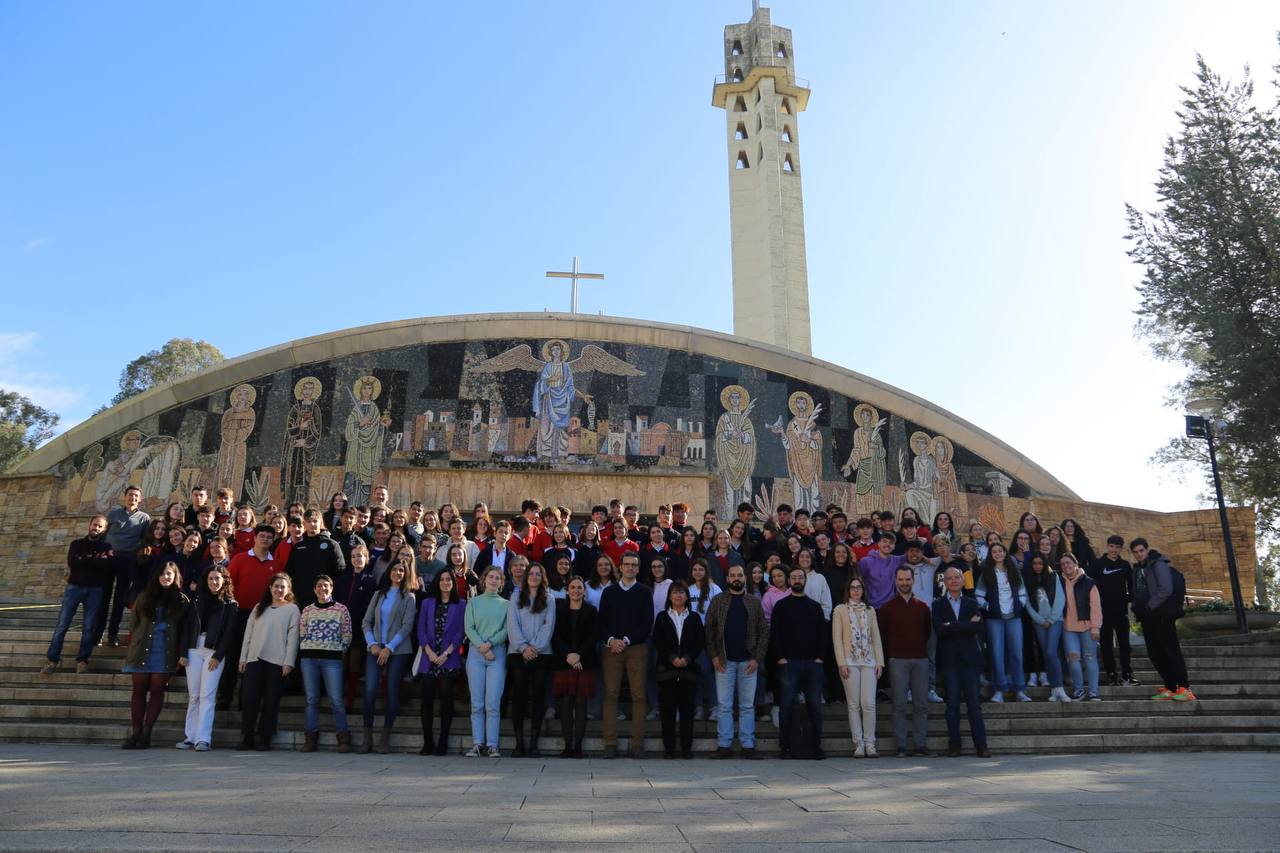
(538, 617)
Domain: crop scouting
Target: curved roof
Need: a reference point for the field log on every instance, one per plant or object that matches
(475, 327)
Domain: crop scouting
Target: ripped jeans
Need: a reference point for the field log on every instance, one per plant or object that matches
(1077, 645)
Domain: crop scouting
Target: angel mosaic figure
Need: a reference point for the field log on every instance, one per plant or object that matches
(554, 390)
(158, 456)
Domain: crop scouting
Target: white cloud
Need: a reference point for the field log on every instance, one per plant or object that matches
(44, 389)
(36, 244)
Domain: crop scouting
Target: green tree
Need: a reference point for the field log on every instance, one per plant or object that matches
(1210, 292)
(24, 426)
(177, 358)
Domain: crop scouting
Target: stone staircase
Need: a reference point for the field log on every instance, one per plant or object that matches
(1235, 678)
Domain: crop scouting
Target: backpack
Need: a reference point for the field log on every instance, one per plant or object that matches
(1174, 606)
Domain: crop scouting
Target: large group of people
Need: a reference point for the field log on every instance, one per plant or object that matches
(538, 617)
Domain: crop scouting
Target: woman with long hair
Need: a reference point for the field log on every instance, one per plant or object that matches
(679, 640)
(1081, 628)
(707, 538)
(588, 550)
(680, 566)
(556, 580)
(1002, 597)
(860, 661)
(604, 574)
(560, 547)
(210, 629)
(740, 539)
(531, 619)
(978, 536)
(700, 592)
(464, 579)
(945, 525)
(485, 624)
(176, 514)
(573, 645)
(1076, 542)
(1045, 603)
(721, 557)
(440, 645)
(972, 565)
(388, 625)
(267, 656)
(150, 557)
(157, 626)
(1030, 523)
(1021, 548)
(839, 569)
(332, 513)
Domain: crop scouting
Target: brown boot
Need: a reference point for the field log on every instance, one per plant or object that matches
(366, 745)
(384, 741)
(311, 741)
(344, 741)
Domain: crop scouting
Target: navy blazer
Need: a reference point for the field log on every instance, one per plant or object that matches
(958, 640)
(453, 633)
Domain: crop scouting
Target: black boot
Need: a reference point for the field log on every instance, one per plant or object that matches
(144, 739)
(535, 730)
(566, 726)
(579, 726)
(521, 750)
(131, 742)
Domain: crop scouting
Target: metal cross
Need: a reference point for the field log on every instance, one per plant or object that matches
(575, 274)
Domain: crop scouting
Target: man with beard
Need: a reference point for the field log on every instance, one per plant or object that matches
(737, 639)
(799, 634)
(88, 561)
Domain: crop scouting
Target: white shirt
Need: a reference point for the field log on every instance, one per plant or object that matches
(660, 598)
(1006, 593)
(678, 619)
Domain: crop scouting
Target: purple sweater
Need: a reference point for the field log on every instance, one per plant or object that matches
(877, 573)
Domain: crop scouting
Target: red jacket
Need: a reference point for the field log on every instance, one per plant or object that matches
(243, 541)
(614, 550)
(251, 577)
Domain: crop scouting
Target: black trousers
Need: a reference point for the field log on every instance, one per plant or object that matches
(1165, 651)
(231, 667)
(431, 687)
(111, 613)
(527, 680)
(260, 694)
(675, 695)
(1115, 632)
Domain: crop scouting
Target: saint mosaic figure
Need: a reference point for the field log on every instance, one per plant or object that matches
(157, 457)
(301, 435)
(946, 485)
(802, 441)
(920, 492)
(736, 447)
(365, 433)
(237, 423)
(554, 391)
(867, 459)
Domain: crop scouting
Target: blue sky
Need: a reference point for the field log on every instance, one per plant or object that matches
(250, 174)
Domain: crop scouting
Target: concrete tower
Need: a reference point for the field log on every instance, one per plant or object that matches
(762, 100)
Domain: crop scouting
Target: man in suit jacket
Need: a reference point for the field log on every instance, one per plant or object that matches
(957, 623)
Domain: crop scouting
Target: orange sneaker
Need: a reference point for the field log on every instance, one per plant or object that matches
(1183, 694)
(1163, 693)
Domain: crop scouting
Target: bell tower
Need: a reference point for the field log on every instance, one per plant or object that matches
(762, 100)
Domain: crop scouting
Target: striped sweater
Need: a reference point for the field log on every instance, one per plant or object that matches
(326, 630)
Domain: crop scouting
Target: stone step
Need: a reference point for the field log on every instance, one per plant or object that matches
(408, 741)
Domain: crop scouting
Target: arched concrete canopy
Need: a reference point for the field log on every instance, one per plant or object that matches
(477, 327)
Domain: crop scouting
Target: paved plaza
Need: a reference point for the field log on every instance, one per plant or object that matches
(94, 798)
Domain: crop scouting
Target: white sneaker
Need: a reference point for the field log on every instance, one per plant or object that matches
(997, 697)
(860, 751)
(621, 716)
(493, 752)
(1023, 697)
(474, 751)
(203, 746)
(186, 744)
(983, 681)
(1044, 679)
(697, 714)
(1053, 695)
(550, 714)
(871, 751)
(934, 697)
(773, 715)
(1032, 680)
(652, 715)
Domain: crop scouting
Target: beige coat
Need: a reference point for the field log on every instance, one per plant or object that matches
(842, 637)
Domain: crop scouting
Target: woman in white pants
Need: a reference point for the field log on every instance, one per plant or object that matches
(856, 638)
(210, 630)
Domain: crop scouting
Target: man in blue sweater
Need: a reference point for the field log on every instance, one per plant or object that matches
(624, 625)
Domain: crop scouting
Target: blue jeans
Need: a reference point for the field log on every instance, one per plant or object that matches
(1080, 644)
(1050, 639)
(485, 680)
(736, 681)
(324, 675)
(800, 676)
(395, 667)
(72, 597)
(1004, 636)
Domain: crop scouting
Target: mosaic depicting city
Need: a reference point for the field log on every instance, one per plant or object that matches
(572, 406)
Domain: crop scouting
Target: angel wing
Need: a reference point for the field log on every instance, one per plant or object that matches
(594, 358)
(516, 358)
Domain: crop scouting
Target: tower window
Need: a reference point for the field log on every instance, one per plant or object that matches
(786, 133)
(759, 123)
(737, 75)
(757, 96)
(740, 105)
(736, 50)
(741, 132)
(760, 153)
(742, 163)
(786, 106)
(780, 51)
(787, 165)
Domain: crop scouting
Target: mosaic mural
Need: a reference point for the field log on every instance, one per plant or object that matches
(571, 406)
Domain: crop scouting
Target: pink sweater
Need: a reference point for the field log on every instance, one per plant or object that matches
(1070, 622)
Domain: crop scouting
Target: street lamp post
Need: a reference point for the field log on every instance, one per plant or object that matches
(1202, 425)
